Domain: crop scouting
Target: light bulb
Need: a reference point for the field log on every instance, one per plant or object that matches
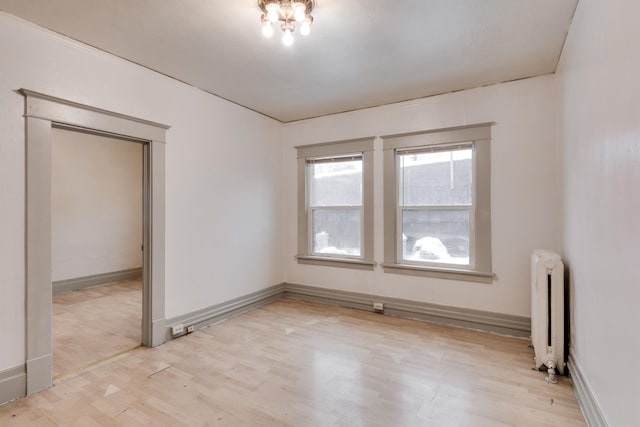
(305, 28)
(272, 12)
(267, 29)
(287, 39)
(298, 13)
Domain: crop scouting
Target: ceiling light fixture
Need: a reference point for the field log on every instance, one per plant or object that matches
(288, 13)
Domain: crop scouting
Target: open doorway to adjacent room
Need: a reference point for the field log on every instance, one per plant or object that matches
(96, 247)
(43, 115)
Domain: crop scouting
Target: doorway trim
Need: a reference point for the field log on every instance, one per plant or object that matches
(42, 112)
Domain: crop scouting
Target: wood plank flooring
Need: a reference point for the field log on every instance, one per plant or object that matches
(94, 323)
(294, 363)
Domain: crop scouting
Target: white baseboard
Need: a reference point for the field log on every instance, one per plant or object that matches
(586, 400)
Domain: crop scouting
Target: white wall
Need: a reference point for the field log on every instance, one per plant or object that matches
(525, 189)
(96, 205)
(223, 173)
(600, 131)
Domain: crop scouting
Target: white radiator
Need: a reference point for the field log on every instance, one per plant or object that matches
(547, 310)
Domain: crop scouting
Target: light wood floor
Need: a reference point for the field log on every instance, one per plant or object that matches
(92, 324)
(303, 364)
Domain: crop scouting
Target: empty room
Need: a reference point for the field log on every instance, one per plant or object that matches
(96, 241)
(339, 213)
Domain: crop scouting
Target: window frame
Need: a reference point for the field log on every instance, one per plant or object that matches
(479, 268)
(401, 208)
(309, 162)
(362, 147)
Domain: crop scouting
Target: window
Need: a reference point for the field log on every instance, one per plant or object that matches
(437, 203)
(335, 210)
(435, 206)
(335, 205)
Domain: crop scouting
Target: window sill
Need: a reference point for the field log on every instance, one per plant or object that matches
(440, 273)
(336, 262)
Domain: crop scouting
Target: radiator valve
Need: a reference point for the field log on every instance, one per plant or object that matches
(551, 365)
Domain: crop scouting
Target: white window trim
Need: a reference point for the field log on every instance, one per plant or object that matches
(480, 230)
(361, 146)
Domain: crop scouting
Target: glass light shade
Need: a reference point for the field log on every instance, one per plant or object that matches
(272, 11)
(267, 29)
(287, 38)
(305, 28)
(298, 12)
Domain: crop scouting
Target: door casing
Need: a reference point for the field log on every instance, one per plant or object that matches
(42, 113)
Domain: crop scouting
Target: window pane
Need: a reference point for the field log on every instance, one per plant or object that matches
(336, 231)
(336, 183)
(439, 236)
(441, 178)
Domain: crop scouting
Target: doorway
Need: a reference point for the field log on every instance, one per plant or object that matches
(43, 113)
(96, 256)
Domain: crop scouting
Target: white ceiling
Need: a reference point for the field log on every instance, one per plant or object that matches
(359, 54)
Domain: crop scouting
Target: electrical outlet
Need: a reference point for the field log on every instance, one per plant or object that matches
(190, 329)
(378, 306)
(177, 329)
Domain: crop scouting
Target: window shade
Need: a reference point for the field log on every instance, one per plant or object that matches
(335, 159)
(437, 148)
